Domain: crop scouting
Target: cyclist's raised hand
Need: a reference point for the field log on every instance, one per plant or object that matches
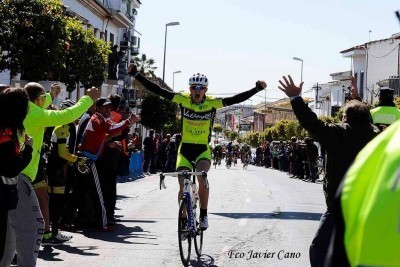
(289, 88)
(261, 85)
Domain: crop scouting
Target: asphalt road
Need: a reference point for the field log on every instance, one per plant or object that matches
(257, 217)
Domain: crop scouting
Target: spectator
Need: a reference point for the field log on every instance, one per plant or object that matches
(342, 141)
(56, 170)
(172, 152)
(148, 151)
(14, 102)
(267, 155)
(259, 154)
(366, 228)
(386, 112)
(162, 154)
(154, 157)
(26, 219)
(97, 130)
(312, 157)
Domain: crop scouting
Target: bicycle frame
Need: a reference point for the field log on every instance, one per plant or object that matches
(188, 194)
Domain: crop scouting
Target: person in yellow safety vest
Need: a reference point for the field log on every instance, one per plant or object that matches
(367, 228)
(386, 112)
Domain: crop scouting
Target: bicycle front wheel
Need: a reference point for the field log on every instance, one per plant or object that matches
(184, 238)
(198, 240)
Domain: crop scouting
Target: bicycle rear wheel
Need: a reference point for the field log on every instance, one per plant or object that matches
(184, 238)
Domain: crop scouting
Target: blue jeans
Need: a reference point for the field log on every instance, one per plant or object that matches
(320, 244)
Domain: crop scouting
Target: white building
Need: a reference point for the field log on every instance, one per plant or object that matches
(331, 96)
(374, 63)
(110, 20)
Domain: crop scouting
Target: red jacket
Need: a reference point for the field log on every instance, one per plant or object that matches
(96, 132)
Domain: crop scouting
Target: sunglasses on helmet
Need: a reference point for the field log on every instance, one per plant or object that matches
(197, 87)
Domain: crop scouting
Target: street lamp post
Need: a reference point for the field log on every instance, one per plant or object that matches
(299, 59)
(173, 79)
(165, 46)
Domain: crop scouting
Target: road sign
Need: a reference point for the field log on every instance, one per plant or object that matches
(245, 127)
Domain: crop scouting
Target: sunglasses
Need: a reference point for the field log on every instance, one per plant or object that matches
(198, 87)
(43, 95)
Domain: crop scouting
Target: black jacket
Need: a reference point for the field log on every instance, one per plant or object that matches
(342, 142)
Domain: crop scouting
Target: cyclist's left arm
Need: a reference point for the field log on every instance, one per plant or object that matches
(245, 95)
(154, 88)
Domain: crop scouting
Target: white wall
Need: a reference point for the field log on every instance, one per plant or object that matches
(85, 13)
(383, 59)
(5, 77)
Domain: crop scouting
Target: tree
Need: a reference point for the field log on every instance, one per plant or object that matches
(252, 139)
(157, 112)
(86, 57)
(145, 66)
(32, 38)
(233, 135)
(217, 128)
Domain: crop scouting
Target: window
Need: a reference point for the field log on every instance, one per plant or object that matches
(112, 39)
(361, 90)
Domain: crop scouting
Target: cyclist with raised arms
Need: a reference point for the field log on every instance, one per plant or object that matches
(198, 112)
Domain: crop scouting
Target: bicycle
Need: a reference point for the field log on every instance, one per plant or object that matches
(190, 210)
(245, 162)
(228, 161)
(217, 161)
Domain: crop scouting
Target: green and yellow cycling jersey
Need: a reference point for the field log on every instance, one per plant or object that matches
(197, 119)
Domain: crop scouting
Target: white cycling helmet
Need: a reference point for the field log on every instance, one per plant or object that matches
(198, 79)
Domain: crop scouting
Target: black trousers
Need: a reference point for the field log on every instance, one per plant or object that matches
(56, 211)
(3, 231)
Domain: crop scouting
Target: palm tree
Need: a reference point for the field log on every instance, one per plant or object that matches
(145, 66)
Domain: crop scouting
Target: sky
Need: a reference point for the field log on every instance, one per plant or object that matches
(237, 42)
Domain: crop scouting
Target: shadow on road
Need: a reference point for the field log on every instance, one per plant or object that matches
(203, 261)
(50, 253)
(120, 235)
(284, 215)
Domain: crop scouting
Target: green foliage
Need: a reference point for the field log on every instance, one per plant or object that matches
(86, 57)
(252, 139)
(240, 140)
(281, 131)
(32, 38)
(41, 43)
(217, 128)
(397, 102)
(174, 126)
(157, 112)
(232, 135)
(145, 66)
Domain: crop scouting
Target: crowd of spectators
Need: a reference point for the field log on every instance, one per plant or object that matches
(301, 159)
